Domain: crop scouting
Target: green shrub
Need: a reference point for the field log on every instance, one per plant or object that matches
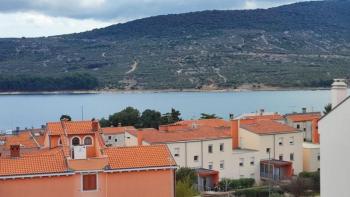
(185, 189)
(186, 174)
(231, 184)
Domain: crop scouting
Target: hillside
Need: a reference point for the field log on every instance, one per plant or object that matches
(299, 45)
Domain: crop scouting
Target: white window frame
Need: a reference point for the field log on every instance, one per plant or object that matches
(92, 140)
(291, 140)
(176, 152)
(290, 157)
(223, 147)
(212, 148)
(222, 162)
(194, 158)
(210, 163)
(280, 141)
(241, 161)
(82, 183)
(252, 161)
(109, 137)
(71, 140)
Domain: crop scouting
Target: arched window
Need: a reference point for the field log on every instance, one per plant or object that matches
(59, 142)
(75, 141)
(87, 140)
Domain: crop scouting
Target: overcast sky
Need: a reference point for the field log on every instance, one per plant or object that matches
(31, 18)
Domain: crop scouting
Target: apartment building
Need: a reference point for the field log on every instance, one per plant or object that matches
(202, 144)
(74, 161)
(334, 134)
(278, 145)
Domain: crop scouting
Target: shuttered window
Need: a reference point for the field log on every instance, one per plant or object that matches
(89, 182)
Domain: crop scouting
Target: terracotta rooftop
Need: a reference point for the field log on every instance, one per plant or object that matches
(25, 139)
(139, 157)
(205, 122)
(303, 117)
(265, 127)
(265, 117)
(154, 136)
(116, 130)
(70, 127)
(41, 162)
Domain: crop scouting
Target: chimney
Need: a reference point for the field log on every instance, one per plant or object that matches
(94, 125)
(15, 150)
(234, 133)
(338, 91)
(315, 133)
(139, 138)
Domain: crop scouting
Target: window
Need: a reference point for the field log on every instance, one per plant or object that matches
(109, 137)
(241, 162)
(210, 148)
(280, 141)
(76, 141)
(281, 157)
(291, 157)
(222, 147)
(177, 152)
(87, 140)
(291, 140)
(318, 157)
(222, 164)
(210, 165)
(115, 140)
(59, 142)
(195, 158)
(267, 150)
(304, 129)
(252, 161)
(89, 182)
(298, 126)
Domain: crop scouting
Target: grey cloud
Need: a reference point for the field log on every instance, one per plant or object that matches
(111, 9)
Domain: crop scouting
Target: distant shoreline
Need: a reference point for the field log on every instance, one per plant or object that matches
(160, 91)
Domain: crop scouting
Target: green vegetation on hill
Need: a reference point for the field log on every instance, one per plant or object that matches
(299, 45)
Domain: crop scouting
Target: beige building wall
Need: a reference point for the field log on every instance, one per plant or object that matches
(272, 142)
(311, 155)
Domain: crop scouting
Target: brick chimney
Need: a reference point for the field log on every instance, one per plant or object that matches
(234, 133)
(15, 150)
(139, 138)
(94, 125)
(315, 133)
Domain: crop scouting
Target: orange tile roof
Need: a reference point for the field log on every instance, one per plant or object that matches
(263, 127)
(189, 134)
(265, 117)
(51, 161)
(116, 130)
(303, 117)
(139, 157)
(25, 139)
(70, 127)
(205, 122)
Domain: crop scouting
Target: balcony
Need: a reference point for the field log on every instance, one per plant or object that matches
(275, 170)
(96, 163)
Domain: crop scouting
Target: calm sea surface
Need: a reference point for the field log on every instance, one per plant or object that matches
(35, 110)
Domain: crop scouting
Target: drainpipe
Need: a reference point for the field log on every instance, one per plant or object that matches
(186, 154)
(202, 153)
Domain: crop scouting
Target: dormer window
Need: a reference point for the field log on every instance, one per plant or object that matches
(76, 141)
(87, 141)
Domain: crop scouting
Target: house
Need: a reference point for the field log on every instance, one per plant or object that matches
(279, 146)
(334, 135)
(205, 145)
(74, 161)
(115, 136)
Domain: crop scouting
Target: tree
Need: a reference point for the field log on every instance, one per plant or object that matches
(184, 173)
(105, 123)
(127, 117)
(150, 119)
(209, 116)
(327, 108)
(297, 186)
(171, 117)
(65, 117)
(185, 189)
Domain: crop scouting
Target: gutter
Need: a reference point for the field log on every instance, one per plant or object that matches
(36, 175)
(140, 169)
